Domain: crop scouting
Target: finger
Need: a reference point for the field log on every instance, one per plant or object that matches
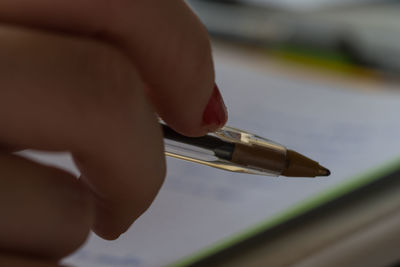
(65, 93)
(17, 261)
(164, 39)
(7, 148)
(45, 212)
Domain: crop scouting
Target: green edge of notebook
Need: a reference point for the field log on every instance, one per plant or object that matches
(320, 58)
(296, 210)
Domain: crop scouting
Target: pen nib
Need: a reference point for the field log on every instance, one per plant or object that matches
(322, 171)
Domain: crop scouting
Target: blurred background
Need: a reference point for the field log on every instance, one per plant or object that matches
(347, 36)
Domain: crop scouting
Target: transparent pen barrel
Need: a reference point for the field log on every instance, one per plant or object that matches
(240, 152)
(204, 156)
(189, 151)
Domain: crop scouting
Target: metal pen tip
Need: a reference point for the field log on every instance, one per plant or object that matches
(322, 171)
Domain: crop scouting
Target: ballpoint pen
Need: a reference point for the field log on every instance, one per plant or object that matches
(240, 151)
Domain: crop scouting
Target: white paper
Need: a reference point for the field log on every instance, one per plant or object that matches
(347, 130)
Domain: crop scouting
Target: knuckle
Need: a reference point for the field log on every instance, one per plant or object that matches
(115, 78)
(155, 173)
(113, 89)
(159, 173)
(158, 176)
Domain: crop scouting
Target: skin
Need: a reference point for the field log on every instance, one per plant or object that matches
(88, 77)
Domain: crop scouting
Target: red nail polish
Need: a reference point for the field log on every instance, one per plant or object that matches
(215, 113)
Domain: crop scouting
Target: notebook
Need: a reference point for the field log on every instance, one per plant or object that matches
(200, 209)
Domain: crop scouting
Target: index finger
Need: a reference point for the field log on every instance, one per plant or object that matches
(166, 42)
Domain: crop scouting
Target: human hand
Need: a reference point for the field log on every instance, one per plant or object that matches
(87, 77)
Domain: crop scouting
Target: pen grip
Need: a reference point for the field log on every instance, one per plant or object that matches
(216, 151)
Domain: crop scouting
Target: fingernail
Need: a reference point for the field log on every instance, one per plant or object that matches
(215, 114)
